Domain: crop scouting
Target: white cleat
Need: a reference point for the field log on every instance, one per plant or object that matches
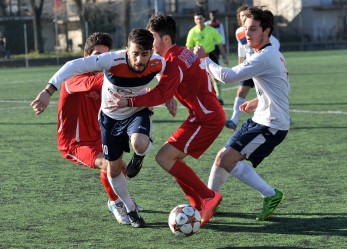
(119, 211)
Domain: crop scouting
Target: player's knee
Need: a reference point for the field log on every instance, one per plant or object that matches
(142, 146)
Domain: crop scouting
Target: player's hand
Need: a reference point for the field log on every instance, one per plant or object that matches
(116, 103)
(171, 105)
(249, 106)
(199, 51)
(41, 102)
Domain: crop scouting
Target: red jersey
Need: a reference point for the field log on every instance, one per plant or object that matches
(78, 108)
(189, 82)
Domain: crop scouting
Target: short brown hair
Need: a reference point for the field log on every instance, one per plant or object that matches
(239, 9)
(97, 38)
(141, 37)
(265, 17)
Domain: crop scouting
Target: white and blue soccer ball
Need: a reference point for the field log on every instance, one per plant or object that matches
(184, 220)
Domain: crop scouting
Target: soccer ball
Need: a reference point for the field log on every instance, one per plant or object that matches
(184, 220)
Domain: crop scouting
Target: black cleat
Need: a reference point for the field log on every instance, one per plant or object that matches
(135, 219)
(135, 165)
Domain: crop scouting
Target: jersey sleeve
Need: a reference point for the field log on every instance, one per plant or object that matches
(91, 63)
(84, 83)
(165, 89)
(246, 70)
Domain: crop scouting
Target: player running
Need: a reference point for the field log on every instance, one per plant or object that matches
(189, 83)
(259, 135)
(127, 73)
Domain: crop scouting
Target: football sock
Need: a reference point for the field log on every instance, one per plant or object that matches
(119, 184)
(107, 186)
(187, 176)
(218, 176)
(193, 197)
(147, 150)
(249, 176)
(236, 109)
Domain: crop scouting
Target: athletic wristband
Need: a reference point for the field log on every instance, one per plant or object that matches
(130, 102)
(48, 91)
(53, 86)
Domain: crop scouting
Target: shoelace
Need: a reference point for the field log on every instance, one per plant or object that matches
(120, 208)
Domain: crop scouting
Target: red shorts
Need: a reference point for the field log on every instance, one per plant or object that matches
(83, 155)
(194, 138)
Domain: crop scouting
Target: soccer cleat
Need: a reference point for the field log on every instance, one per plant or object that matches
(134, 165)
(230, 124)
(208, 207)
(270, 205)
(135, 219)
(119, 211)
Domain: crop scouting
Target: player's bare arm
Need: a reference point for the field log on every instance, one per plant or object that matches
(42, 100)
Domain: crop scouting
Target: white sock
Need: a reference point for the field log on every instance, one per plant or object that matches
(119, 185)
(249, 176)
(236, 109)
(218, 176)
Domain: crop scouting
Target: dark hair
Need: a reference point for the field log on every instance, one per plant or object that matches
(95, 39)
(265, 17)
(163, 25)
(238, 11)
(141, 37)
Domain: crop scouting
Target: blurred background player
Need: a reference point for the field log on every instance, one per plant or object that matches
(79, 135)
(244, 52)
(209, 38)
(259, 135)
(215, 23)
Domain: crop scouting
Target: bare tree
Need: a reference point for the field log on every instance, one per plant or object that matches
(127, 19)
(81, 13)
(37, 11)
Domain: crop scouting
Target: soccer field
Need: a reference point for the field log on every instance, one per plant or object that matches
(47, 202)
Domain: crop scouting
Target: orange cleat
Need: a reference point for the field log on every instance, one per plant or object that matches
(208, 207)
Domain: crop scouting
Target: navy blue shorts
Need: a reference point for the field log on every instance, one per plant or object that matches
(248, 82)
(255, 141)
(115, 134)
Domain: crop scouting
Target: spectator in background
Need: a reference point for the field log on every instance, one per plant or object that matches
(208, 38)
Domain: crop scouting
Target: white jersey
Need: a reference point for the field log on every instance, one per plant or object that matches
(118, 77)
(245, 51)
(268, 70)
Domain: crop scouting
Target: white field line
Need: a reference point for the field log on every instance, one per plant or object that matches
(27, 103)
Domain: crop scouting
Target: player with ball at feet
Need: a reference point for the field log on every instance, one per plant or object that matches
(268, 127)
(183, 78)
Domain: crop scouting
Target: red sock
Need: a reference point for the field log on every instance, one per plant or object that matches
(193, 197)
(108, 188)
(187, 176)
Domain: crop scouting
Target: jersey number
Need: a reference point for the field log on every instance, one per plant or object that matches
(105, 149)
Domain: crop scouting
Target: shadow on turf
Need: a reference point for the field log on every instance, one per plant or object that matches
(301, 223)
